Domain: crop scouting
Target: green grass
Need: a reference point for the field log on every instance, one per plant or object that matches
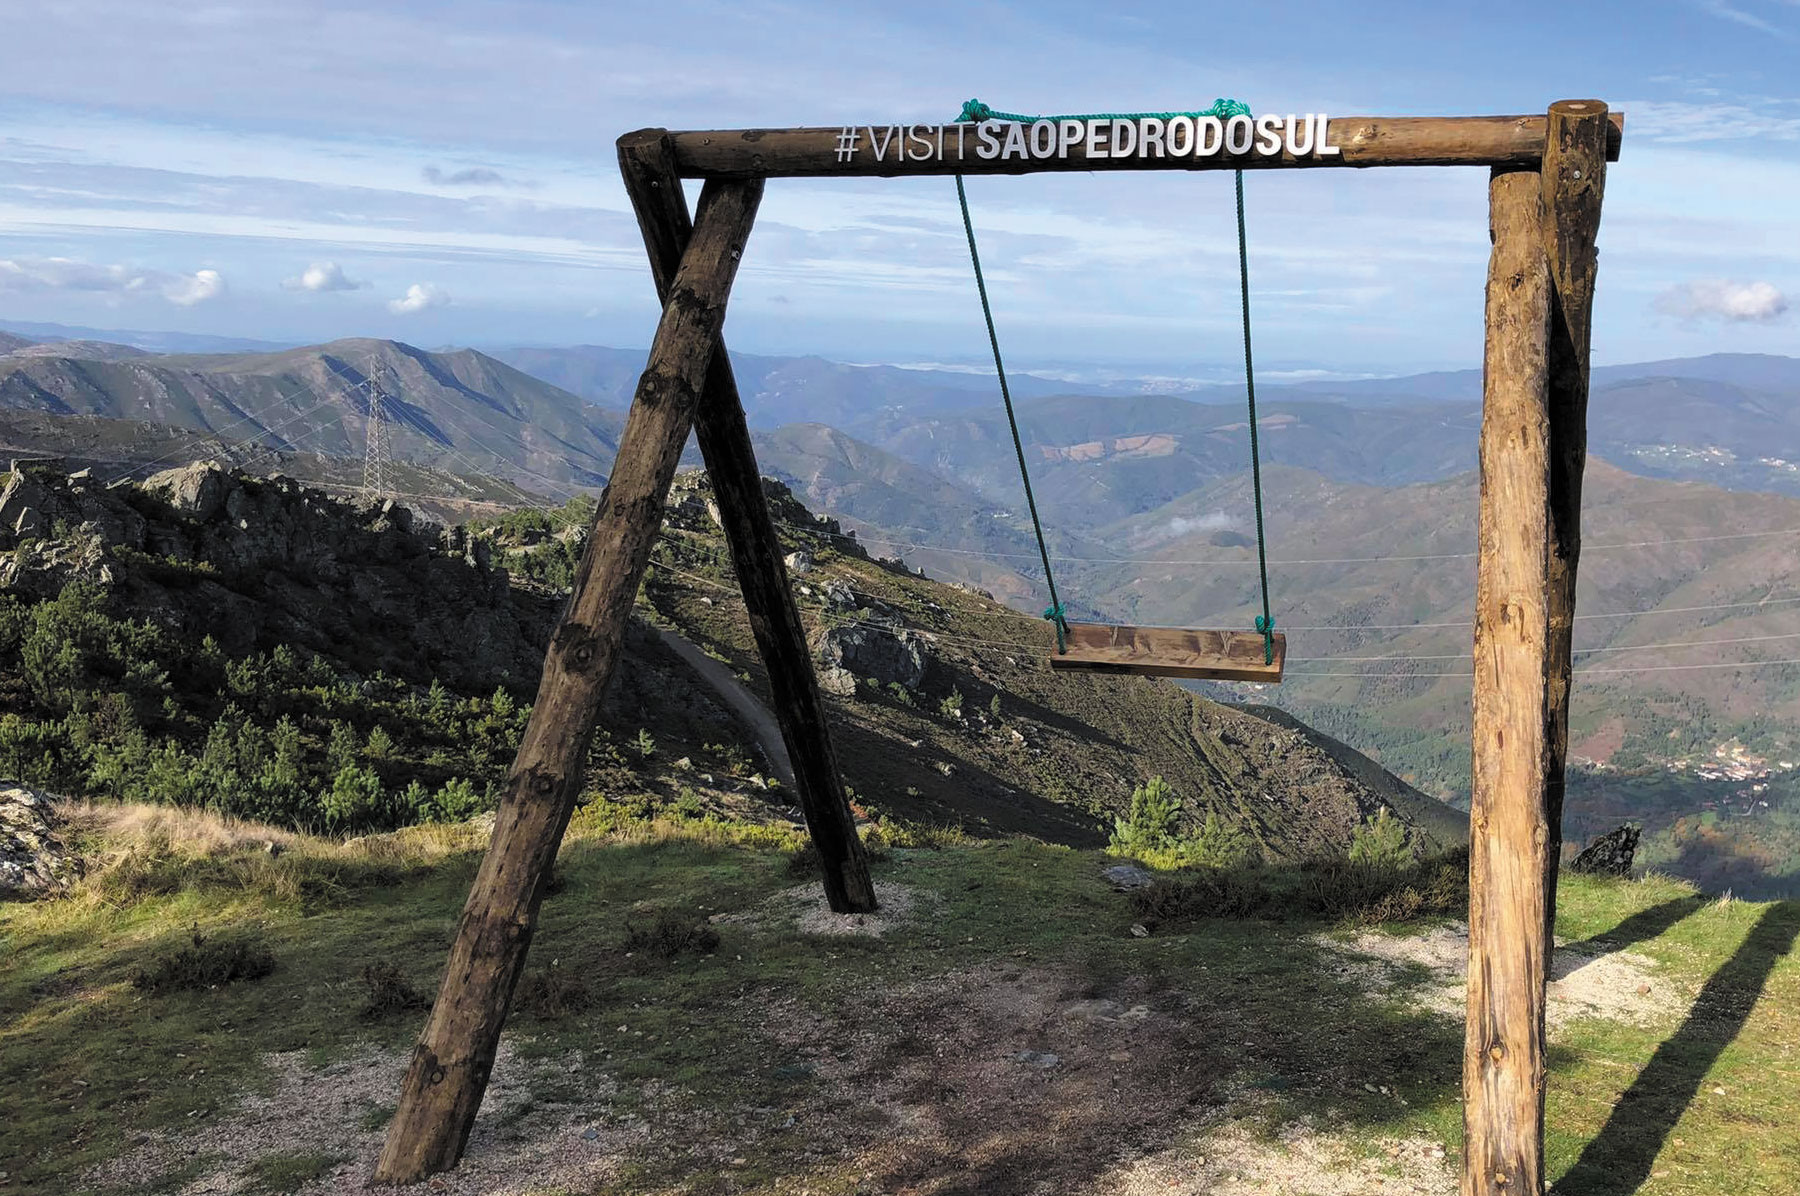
(88, 1062)
(276, 1174)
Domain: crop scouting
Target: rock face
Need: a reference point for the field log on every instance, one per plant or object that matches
(1610, 854)
(33, 861)
(259, 561)
(850, 651)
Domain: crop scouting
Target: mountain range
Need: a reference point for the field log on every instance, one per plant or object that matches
(1369, 492)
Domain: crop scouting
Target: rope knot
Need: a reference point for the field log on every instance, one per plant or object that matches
(1265, 624)
(1055, 612)
(974, 112)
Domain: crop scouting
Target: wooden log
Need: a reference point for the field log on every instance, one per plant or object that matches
(655, 190)
(1503, 1049)
(1169, 652)
(1493, 141)
(449, 1072)
(1574, 182)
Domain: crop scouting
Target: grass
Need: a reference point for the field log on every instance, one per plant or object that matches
(276, 1174)
(87, 1061)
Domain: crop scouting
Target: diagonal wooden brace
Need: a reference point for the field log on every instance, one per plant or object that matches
(449, 1073)
(648, 166)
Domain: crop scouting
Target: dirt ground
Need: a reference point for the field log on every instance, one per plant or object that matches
(1011, 1078)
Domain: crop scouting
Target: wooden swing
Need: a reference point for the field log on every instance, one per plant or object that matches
(1193, 653)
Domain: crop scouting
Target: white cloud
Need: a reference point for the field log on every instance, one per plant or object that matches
(68, 274)
(322, 276)
(185, 290)
(71, 274)
(1678, 121)
(1721, 299)
(418, 297)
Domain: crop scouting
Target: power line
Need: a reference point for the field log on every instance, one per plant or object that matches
(1744, 639)
(1348, 560)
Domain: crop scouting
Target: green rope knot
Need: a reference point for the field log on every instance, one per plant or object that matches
(1265, 627)
(974, 112)
(1057, 613)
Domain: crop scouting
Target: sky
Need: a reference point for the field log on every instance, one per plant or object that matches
(444, 173)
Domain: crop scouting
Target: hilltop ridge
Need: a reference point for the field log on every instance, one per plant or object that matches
(943, 711)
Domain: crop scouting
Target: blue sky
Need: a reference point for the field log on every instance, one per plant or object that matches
(443, 173)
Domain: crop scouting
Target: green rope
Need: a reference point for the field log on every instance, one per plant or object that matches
(1266, 623)
(1055, 612)
(975, 111)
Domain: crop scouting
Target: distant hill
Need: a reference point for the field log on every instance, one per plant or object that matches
(457, 410)
(150, 342)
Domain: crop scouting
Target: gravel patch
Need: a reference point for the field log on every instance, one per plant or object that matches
(1619, 986)
(1300, 1160)
(803, 907)
(519, 1145)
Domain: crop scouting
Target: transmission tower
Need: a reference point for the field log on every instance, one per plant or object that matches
(375, 449)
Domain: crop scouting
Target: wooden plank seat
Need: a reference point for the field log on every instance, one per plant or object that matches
(1169, 652)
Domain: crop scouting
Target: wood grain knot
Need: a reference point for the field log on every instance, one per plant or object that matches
(438, 1074)
(544, 784)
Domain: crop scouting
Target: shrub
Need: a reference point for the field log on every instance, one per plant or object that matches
(457, 801)
(552, 992)
(1150, 823)
(1382, 842)
(353, 799)
(390, 992)
(670, 936)
(1220, 844)
(1330, 888)
(205, 963)
(804, 860)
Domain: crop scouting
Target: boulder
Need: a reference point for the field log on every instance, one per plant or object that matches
(798, 562)
(199, 489)
(33, 860)
(1610, 854)
(1126, 877)
(885, 656)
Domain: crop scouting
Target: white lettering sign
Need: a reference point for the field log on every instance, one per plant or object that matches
(1142, 138)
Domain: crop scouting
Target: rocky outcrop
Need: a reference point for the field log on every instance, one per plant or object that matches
(1609, 855)
(861, 649)
(33, 860)
(254, 562)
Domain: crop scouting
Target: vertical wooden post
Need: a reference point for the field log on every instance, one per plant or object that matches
(647, 162)
(1574, 180)
(443, 1087)
(1503, 1048)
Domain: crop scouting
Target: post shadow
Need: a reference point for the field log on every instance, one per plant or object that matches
(1640, 927)
(1619, 1158)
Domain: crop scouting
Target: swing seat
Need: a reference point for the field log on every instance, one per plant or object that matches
(1169, 652)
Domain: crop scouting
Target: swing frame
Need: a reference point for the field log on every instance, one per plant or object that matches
(1547, 176)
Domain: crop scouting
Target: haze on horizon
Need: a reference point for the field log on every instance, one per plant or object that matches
(444, 174)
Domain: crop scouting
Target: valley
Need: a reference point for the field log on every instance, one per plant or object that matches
(1690, 580)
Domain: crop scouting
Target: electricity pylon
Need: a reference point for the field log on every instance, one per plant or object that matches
(375, 449)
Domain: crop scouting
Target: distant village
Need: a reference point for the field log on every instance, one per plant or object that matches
(1730, 763)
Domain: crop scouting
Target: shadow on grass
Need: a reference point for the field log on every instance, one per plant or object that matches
(1619, 1159)
(1641, 927)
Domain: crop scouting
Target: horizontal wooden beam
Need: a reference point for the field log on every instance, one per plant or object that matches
(1169, 652)
(853, 151)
